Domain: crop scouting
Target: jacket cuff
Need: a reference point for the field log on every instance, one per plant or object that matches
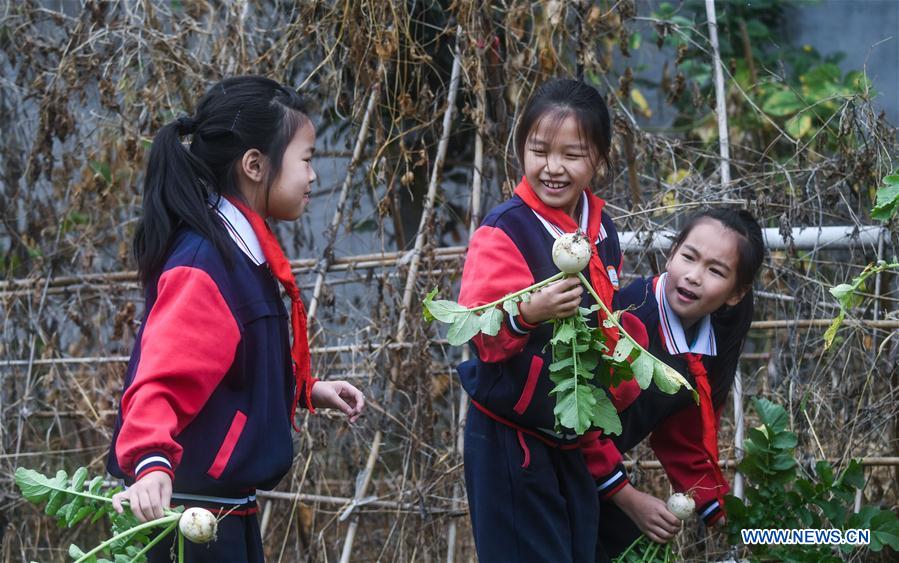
(153, 462)
(612, 483)
(711, 512)
(518, 325)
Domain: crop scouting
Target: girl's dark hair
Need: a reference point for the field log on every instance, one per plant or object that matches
(751, 244)
(235, 115)
(561, 97)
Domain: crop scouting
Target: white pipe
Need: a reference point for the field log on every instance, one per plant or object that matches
(804, 238)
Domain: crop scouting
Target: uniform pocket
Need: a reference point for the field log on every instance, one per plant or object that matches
(527, 394)
(227, 448)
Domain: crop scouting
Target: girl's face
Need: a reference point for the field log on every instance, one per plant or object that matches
(558, 162)
(702, 272)
(289, 194)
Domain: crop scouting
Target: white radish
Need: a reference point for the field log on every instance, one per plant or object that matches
(681, 505)
(198, 525)
(571, 252)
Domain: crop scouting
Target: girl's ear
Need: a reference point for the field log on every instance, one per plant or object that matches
(736, 296)
(252, 165)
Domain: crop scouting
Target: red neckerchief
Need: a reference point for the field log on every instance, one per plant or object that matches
(280, 268)
(706, 409)
(599, 278)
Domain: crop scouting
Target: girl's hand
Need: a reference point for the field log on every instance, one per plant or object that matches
(147, 498)
(649, 513)
(338, 395)
(555, 301)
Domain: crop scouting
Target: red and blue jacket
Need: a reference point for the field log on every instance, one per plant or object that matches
(209, 387)
(509, 377)
(673, 422)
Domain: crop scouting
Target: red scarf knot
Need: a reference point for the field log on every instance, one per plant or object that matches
(280, 268)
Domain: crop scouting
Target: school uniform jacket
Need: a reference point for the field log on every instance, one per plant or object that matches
(208, 389)
(673, 422)
(511, 250)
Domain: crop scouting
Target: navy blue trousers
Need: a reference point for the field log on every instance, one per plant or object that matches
(237, 540)
(547, 511)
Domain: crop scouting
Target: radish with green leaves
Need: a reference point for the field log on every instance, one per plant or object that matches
(584, 363)
(72, 500)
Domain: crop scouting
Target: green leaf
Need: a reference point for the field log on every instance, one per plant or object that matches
(643, 368)
(574, 408)
(831, 331)
(799, 125)
(445, 311)
(491, 321)
(510, 306)
(667, 379)
(887, 202)
(623, 350)
(605, 415)
(782, 103)
(771, 414)
(34, 486)
(854, 475)
(563, 332)
(784, 441)
(884, 531)
(465, 326)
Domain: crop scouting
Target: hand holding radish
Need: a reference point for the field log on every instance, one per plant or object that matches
(338, 395)
(649, 513)
(148, 498)
(555, 301)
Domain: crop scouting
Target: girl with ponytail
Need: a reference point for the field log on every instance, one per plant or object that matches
(215, 376)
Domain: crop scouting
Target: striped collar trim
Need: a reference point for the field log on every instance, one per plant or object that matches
(556, 232)
(673, 331)
(239, 229)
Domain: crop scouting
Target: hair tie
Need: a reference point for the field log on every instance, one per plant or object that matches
(186, 125)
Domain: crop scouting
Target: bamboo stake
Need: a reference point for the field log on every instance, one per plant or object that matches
(724, 151)
(475, 220)
(409, 291)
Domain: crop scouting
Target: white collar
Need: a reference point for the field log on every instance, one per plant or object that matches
(673, 330)
(239, 228)
(556, 232)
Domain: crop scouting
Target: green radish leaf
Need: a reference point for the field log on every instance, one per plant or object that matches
(75, 552)
(525, 297)
(465, 327)
(664, 379)
(491, 321)
(561, 364)
(445, 311)
(622, 350)
(574, 407)
(34, 486)
(643, 367)
(510, 306)
(605, 415)
(563, 332)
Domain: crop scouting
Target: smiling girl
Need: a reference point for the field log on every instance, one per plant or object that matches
(530, 495)
(697, 315)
